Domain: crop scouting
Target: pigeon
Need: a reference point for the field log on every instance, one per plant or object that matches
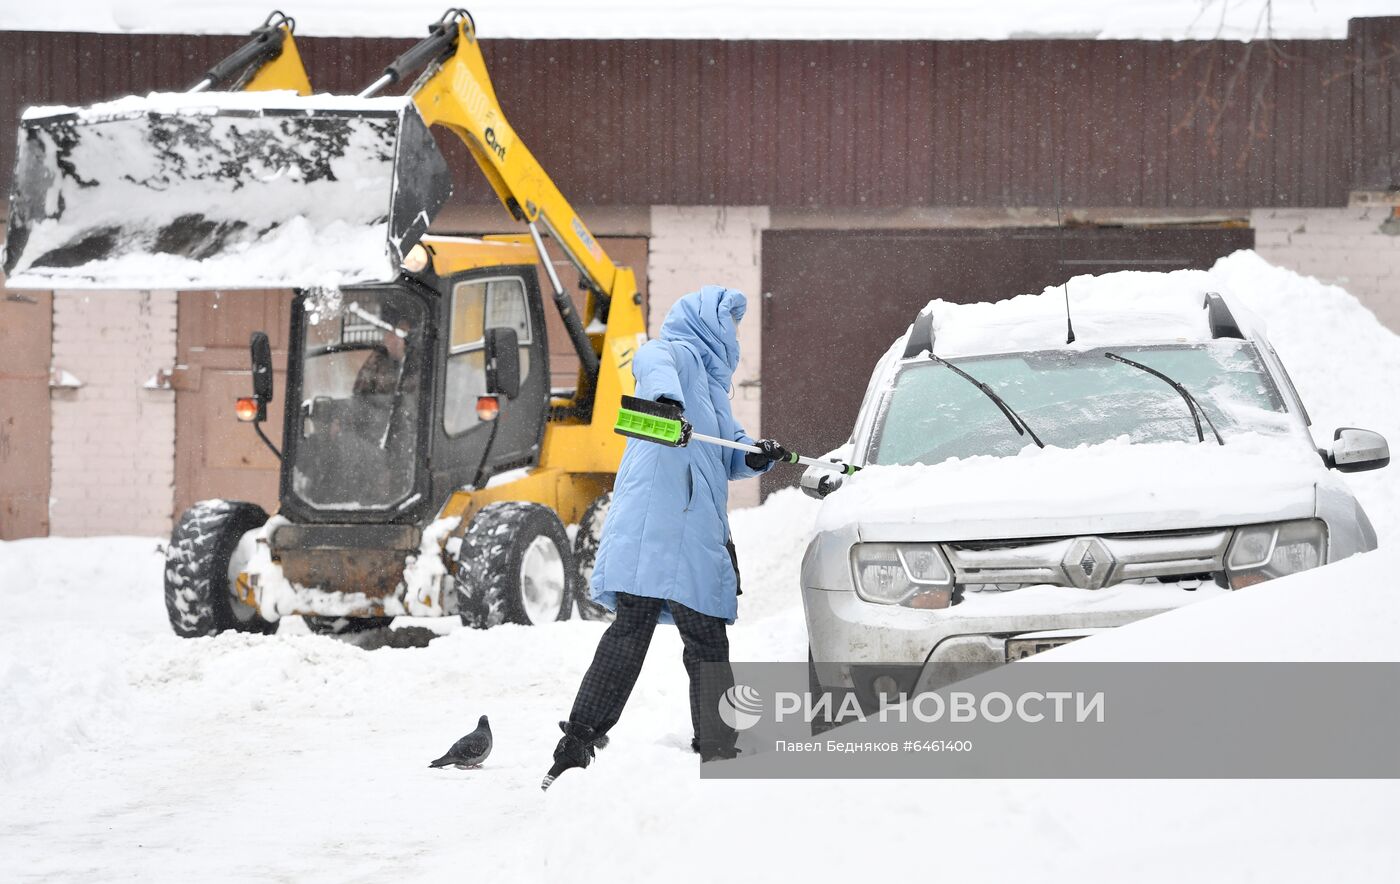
(469, 751)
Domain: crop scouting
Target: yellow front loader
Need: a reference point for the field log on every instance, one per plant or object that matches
(427, 467)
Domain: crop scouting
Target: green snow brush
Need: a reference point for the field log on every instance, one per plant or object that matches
(662, 423)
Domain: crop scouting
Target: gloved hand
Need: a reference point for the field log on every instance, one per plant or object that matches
(770, 452)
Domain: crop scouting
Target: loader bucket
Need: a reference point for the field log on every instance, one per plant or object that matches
(221, 190)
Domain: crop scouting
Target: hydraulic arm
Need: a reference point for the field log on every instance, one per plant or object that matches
(455, 92)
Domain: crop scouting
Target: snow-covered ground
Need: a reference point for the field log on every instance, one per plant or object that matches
(127, 753)
(766, 19)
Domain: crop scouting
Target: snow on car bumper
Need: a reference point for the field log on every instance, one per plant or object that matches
(843, 628)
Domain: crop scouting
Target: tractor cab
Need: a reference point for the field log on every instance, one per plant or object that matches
(400, 394)
(404, 402)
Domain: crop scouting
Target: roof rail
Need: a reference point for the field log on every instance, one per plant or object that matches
(920, 335)
(1222, 321)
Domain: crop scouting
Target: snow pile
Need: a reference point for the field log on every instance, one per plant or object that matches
(1128, 307)
(141, 188)
(71, 612)
(769, 19)
(209, 103)
(425, 575)
(1345, 612)
(770, 541)
(1345, 364)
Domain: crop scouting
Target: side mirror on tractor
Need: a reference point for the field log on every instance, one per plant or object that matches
(502, 371)
(253, 409)
(502, 362)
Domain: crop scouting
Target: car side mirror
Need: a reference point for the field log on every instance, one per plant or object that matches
(818, 483)
(1355, 450)
(502, 362)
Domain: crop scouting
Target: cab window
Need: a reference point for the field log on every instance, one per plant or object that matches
(477, 305)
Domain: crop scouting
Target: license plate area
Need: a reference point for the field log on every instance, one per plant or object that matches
(1021, 648)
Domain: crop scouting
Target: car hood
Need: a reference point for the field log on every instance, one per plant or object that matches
(1109, 488)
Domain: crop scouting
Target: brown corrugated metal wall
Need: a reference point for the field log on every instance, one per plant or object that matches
(1375, 59)
(846, 123)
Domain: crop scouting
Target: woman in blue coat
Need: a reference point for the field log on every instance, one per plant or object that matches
(666, 554)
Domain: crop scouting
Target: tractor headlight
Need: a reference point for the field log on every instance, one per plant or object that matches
(417, 259)
(1263, 552)
(911, 574)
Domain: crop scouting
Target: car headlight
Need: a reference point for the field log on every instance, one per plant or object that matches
(911, 574)
(1263, 552)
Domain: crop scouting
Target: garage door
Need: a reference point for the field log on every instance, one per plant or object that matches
(215, 456)
(26, 336)
(835, 299)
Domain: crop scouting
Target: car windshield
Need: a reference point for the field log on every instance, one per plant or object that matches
(362, 366)
(1074, 398)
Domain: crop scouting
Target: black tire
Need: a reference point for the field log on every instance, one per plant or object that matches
(345, 625)
(492, 588)
(198, 595)
(590, 534)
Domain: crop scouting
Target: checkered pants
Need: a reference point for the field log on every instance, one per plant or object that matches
(618, 661)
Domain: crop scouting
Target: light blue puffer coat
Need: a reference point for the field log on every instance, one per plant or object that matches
(666, 529)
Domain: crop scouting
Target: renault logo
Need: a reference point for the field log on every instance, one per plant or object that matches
(1088, 564)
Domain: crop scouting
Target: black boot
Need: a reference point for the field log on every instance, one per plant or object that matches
(575, 749)
(722, 751)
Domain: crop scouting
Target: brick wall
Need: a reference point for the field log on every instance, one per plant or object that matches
(1342, 246)
(692, 246)
(113, 439)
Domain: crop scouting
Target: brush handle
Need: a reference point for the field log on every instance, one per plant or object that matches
(835, 466)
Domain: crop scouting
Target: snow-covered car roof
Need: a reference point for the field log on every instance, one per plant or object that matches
(1114, 309)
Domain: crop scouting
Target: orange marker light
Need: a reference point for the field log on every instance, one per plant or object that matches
(1240, 581)
(932, 598)
(488, 408)
(246, 409)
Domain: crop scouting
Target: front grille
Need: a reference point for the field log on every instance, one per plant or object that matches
(1186, 559)
(1190, 583)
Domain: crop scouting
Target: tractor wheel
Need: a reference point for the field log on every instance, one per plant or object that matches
(344, 625)
(590, 534)
(206, 553)
(515, 566)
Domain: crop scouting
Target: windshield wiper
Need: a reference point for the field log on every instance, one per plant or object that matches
(1018, 423)
(1197, 412)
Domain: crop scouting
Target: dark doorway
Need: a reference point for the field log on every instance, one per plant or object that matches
(834, 300)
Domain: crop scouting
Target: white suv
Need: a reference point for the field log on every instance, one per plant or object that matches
(1021, 491)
